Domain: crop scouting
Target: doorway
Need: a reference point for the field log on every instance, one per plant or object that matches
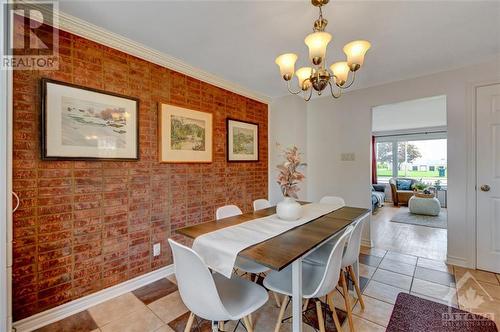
(409, 164)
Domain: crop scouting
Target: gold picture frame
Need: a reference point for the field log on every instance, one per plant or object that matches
(185, 135)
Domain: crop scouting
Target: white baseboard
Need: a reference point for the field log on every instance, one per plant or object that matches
(64, 310)
(366, 243)
(458, 261)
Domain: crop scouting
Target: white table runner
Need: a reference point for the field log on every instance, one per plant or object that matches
(220, 248)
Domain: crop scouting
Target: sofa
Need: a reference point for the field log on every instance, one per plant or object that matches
(401, 190)
(378, 196)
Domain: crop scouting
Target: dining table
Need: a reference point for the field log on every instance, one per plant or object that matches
(289, 247)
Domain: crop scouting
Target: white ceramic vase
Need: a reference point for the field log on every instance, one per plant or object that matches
(288, 209)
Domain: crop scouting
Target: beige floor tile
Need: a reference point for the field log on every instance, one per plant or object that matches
(373, 251)
(339, 302)
(376, 311)
(366, 270)
(434, 265)
(471, 291)
(403, 258)
(363, 325)
(398, 267)
(115, 308)
(479, 275)
(433, 290)
(382, 291)
(142, 320)
(169, 307)
(164, 328)
(392, 278)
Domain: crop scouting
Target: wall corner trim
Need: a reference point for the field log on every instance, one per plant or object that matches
(67, 309)
(100, 35)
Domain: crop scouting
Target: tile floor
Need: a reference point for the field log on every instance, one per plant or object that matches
(158, 307)
(419, 241)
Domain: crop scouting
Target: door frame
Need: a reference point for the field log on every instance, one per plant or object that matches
(472, 160)
(6, 120)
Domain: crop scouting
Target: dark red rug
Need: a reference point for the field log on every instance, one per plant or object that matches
(415, 314)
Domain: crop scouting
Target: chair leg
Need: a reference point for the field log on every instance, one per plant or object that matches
(336, 320)
(250, 319)
(356, 286)
(221, 326)
(346, 299)
(306, 303)
(248, 325)
(281, 314)
(277, 299)
(319, 312)
(215, 326)
(189, 323)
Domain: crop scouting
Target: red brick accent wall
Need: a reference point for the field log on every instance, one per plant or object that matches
(86, 225)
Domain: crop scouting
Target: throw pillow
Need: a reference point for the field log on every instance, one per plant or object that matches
(403, 184)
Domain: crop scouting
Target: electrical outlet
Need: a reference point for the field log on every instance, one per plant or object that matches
(347, 156)
(156, 249)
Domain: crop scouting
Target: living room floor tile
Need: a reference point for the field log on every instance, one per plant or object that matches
(443, 278)
(382, 291)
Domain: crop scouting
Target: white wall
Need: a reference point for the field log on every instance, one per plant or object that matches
(287, 126)
(417, 113)
(344, 125)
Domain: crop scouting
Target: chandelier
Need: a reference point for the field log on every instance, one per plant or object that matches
(318, 77)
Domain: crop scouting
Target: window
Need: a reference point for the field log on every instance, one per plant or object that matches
(419, 156)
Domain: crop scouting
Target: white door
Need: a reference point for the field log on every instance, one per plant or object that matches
(488, 177)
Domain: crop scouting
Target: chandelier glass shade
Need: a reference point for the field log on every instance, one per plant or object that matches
(339, 76)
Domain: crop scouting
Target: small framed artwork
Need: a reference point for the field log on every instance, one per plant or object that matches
(80, 123)
(185, 136)
(242, 141)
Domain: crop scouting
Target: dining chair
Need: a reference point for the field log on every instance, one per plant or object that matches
(349, 259)
(319, 281)
(334, 200)
(212, 296)
(245, 265)
(260, 204)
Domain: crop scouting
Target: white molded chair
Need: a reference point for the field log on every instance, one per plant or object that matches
(334, 200)
(213, 296)
(319, 281)
(260, 204)
(243, 264)
(349, 259)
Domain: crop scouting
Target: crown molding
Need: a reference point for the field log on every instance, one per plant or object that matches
(105, 37)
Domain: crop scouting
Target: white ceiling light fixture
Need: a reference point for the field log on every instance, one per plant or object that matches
(318, 76)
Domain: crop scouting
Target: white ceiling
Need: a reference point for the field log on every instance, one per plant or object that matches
(239, 40)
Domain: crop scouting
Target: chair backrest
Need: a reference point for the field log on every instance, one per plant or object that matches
(196, 284)
(227, 211)
(334, 200)
(331, 272)
(260, 204)
(351, 252)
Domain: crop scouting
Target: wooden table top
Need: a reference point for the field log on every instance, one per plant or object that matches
(281, 250)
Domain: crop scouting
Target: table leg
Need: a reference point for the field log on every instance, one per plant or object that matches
(297, 295)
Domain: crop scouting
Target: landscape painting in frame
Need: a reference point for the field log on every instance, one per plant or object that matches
(185, 135)
(243, 141)
(79, 123)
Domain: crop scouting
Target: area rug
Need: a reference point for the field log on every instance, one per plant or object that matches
(415, 314)
(405, 217)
